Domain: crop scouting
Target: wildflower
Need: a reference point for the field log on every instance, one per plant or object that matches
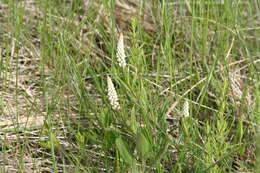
(236, 86)
(120, 54)
(185, 110)
(112, 95)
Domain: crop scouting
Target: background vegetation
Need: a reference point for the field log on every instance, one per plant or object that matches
(56, 55)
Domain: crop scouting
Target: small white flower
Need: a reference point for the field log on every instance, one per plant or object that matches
(120, 54)
(235, 86)
(112, 95)
(185, 110)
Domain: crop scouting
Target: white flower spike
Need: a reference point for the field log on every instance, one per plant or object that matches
(185, 110)
(112, 95)
(120, 54)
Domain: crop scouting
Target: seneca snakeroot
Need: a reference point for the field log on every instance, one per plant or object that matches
(112, 95)
(185, 110)
(120, 53)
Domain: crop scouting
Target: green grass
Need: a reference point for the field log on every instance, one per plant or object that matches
(55, 110)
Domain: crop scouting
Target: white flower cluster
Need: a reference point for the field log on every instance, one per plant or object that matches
(120, 54)
(235, 85)
(112, 95)
(185, 110)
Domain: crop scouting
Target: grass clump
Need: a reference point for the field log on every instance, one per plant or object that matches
(178, 92)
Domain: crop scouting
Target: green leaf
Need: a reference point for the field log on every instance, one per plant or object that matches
(134, 124)
(80, 139)
(187, 3)
(52, 142)
(105, 118)
(143, 145)
(124, 152)
(161, 150)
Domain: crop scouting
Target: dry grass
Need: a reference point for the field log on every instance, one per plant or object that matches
(53, 102)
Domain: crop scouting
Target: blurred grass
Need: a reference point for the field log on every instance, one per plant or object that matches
(55, 58)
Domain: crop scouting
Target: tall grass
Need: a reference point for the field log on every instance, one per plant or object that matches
(129, 86)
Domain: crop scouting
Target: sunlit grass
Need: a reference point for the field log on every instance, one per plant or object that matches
(115, 86)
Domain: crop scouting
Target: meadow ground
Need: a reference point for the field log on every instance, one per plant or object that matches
(129, 86)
